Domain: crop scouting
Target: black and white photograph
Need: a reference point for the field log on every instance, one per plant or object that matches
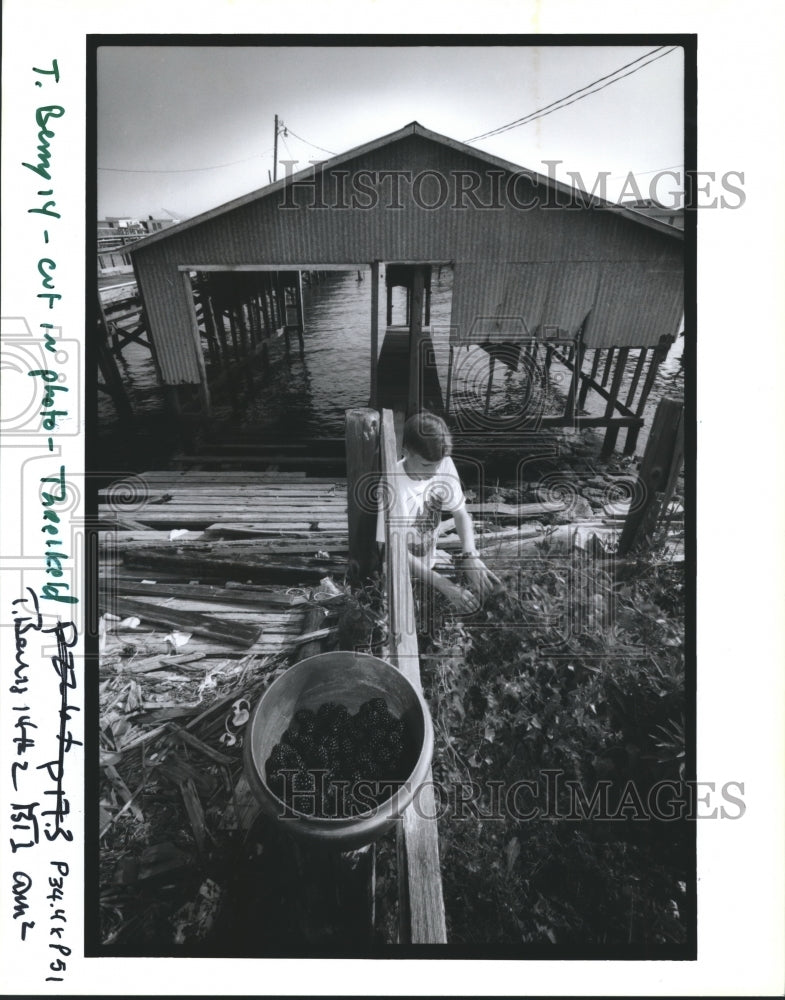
(391, 381)
(382, 389)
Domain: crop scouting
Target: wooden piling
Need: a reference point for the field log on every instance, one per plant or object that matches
(362, 476)
(415, 301)
(449, 379)
(298, 304)
(113, 383)
(577, 359)
(489, 390)
(607, 369)
(373, 401)
(204, 391)
(662, 461)
(612, 432)
(588, 382)
(632, 435)
(636, 377)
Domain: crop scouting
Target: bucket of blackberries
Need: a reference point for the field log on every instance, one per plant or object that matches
(338, 748)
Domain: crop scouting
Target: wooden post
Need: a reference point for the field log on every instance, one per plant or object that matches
(389, 304)
(659, 468)
(632, 435)
(613, 432)
(449, 380)
(204, 391)
(373, 401)
(268, 324)
(592, 376)
(635, 377)
(414, 400)
(607, 369)
(112, 379)
(298, 304)
(569, 409)
(209, 327)
(491, 366)
(421, 903)
(362, 474)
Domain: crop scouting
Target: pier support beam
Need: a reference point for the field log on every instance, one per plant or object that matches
(204, 391)
(374, 332)
(414, 399)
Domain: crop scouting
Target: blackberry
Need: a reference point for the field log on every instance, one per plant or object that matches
(365, 766)
(305, 718)
(304, 789)
(333, 746)
(326, 714)
(290, 758)
(340, 716)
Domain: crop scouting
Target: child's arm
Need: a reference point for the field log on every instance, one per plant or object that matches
(460, 598)
(479, 577)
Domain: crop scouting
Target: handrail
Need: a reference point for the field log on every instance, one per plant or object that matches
(420, 882)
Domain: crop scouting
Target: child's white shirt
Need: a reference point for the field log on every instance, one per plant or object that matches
(423, 501)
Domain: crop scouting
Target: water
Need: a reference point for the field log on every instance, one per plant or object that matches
(308, 397)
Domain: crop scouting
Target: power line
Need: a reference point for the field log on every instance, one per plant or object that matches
(313, 144)
(544, 111)
(186, 170)
(643, 173)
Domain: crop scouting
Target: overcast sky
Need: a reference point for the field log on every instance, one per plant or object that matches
(165, 114)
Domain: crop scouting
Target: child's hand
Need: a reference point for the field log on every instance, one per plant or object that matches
(479, 577)
(463, 600)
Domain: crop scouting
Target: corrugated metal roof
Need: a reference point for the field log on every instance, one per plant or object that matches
(517, 273)
(413, 128)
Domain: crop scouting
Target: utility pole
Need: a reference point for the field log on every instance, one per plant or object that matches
(275, 152)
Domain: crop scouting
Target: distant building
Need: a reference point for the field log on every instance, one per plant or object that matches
(114, 233)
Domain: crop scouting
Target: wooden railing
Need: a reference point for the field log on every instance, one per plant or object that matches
(422, 919)
(370, 451)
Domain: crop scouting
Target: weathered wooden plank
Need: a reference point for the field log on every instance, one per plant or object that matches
(185, 477)
(662, 461)
(362, 464)
(202, 593)
(420, 885)
(189, 621)
(489, 508)
(196, 567)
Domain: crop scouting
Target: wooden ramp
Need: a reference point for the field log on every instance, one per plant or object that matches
(393, 372)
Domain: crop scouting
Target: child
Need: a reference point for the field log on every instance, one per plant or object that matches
(426, 483)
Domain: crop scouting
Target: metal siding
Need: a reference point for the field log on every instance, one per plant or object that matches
(169, 318)
(541, 265)
(637, 304)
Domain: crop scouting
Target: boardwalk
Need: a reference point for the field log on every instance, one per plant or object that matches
(225, 556)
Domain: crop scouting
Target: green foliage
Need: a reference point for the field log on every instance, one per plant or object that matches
(581, 673)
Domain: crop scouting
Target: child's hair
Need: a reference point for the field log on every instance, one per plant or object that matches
(428, 436)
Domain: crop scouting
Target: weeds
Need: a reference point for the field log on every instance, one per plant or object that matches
(519, 692)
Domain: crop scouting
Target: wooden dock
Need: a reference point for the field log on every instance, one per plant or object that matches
(221, 555)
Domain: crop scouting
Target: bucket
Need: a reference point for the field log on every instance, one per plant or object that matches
(349, 679)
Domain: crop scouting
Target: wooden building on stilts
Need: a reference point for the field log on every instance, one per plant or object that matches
(542, 272)
(541, 275)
